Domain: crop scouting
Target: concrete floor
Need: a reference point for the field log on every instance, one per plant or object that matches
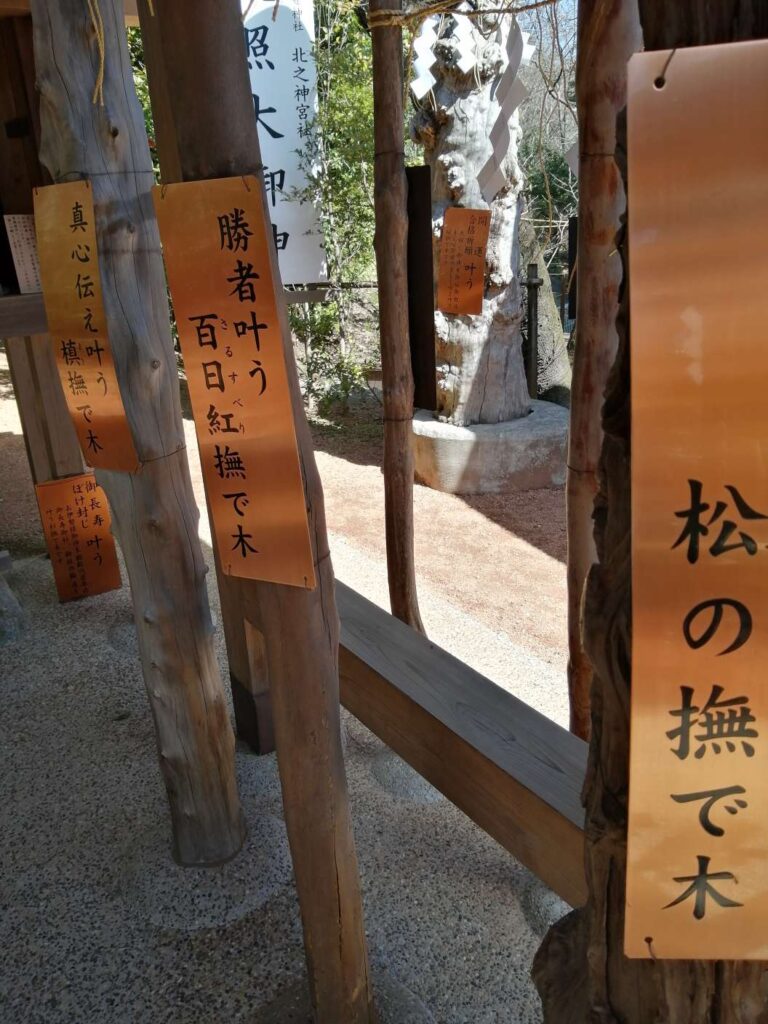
(99, 927)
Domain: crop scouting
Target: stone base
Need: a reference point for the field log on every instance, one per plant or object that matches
(492, 458)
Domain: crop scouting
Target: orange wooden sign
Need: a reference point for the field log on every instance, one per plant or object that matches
(65, 224)
(697, 886)
(461, 277)
(215, 239)
(76, 523)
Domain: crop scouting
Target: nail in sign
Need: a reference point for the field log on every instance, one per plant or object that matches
(215, 241)
(697, 887)
(65, 224)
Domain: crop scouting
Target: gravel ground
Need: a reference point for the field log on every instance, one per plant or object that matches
(98, 925)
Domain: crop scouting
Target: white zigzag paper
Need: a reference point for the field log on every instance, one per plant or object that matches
(424, 58)
(511, 93)
(464, 35)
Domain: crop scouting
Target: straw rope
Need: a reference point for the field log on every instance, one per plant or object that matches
(98, 28)
(414, 15)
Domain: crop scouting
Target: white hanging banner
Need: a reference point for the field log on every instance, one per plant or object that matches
(284, 86)
(511, 93)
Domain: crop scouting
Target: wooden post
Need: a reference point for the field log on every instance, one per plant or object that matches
(606, 41)
(52, 447)
(391, 244)
(209, 95)
(154, 512)
(581, 971)
(247, 673)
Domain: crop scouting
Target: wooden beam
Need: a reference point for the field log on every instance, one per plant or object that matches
(22, 315)
(52, 447)
(515, 773)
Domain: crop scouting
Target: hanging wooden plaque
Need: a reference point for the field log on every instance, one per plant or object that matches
(215, 242)
(65, 224)
(461, 277)
(76, 523)
(697, 887)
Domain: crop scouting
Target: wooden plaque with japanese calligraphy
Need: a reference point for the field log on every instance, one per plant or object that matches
(65, 225)
(215, 243)
(461, 277)
(76, 522)
(697, 885)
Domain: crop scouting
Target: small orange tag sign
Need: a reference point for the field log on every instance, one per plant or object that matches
(65, 224)
(216, 243)
(461, 277)
(76, 523)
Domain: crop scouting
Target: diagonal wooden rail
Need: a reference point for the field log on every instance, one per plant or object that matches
(515, 773)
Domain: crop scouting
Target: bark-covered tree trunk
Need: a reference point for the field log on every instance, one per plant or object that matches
(480, 371)
(608, 36)
(580, 970)
(154, 511)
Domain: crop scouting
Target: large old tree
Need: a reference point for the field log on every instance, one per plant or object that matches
(581, 971)
(481, 375)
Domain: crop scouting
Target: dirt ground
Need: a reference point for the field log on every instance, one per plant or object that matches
(490, 569)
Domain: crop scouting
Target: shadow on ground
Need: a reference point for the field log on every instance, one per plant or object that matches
(537, 517)
(20, 529)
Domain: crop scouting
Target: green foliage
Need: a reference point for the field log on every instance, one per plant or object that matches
(136, 52)
(339, 166)
(544, 167)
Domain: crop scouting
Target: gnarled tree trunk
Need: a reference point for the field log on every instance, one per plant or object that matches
(153, 510)
(580, 970)
(480, 371)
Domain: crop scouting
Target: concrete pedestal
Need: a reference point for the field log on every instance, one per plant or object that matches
(492, 458)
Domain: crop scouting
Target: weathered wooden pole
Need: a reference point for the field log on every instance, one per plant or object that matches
(581, 971)
(154, 512)
(608, 36)
(391, 244)
(52, 447)
(201, 46)
(247, 669)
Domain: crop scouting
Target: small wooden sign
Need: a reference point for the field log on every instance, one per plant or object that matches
(461, 277)
(65, 223)
(76, 523)
(215, 240)
(20, 228)
(697, 886)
